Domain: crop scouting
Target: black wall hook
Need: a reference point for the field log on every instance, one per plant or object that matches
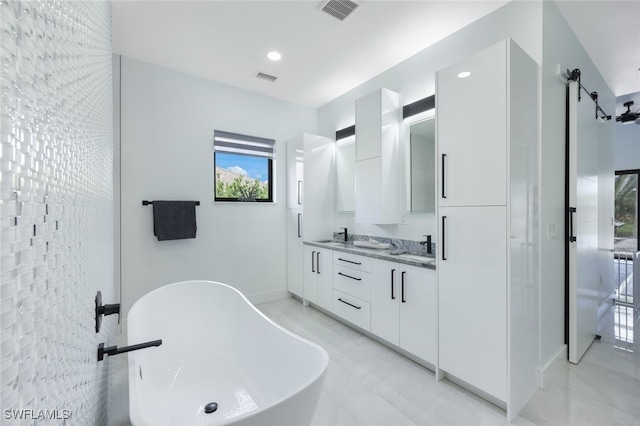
(104, 310)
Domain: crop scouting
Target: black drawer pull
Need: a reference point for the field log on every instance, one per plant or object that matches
(572, 238)
(349, 261)
(347, 303)
(444, 228)
(392, 274)
(443, 187)
(402, 288)
(349, 276)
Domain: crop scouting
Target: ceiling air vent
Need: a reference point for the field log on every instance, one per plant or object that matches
(339, 8)
(269, 78)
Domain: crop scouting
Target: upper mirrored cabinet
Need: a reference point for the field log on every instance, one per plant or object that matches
(420, 174)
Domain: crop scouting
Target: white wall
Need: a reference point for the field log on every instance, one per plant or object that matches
(627, 150)
(627, 137)
(414, 79)
(168, 120)
(56, 244)
(561, 50)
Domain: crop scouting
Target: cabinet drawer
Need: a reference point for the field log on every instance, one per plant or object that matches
(353, 261)
(353, 309)
(352, 281)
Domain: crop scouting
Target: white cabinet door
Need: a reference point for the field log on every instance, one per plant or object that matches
(324, 269)
(472, 131)
(318, 279)
(318, 193)
(385, 298)
(310, 274)
(295, 252)
(295, 172)
(368, 126)
(472, 296)
(418, 312)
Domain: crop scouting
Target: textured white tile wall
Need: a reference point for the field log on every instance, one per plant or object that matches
(56, 200)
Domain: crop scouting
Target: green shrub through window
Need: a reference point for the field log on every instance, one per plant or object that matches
(243, 167)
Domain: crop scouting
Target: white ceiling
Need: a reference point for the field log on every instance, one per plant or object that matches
(610, 33)
(227, 41)
(322, 57)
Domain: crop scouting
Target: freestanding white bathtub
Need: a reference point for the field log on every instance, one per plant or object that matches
(217, 347)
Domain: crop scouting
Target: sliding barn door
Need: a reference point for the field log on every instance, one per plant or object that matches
(583, 274)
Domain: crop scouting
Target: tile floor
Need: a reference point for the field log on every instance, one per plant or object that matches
(369, 384)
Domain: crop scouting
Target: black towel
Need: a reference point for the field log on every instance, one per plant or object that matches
(174, 220)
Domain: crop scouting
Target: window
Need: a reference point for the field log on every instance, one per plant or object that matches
(243, 167)
(626, 210)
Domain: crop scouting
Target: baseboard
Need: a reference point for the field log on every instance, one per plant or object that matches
(553, 367)
(268, 296)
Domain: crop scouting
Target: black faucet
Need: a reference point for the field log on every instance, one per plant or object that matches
(346, 235)
(113, 350)
(427, 243)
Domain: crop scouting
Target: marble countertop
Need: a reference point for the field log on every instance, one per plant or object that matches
(408, 259)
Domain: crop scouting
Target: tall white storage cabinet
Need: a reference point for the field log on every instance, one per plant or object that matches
(310, 200)
(487, 263)
(377, 158)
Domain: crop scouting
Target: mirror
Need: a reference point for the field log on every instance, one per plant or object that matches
(345, 174)
(420, 173)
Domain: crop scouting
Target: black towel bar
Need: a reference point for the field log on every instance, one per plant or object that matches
(146, 203)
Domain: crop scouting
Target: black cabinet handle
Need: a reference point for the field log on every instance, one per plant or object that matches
(299, 223)
(299, 192)
(347, 303)
(313, 261)
(402, 287)
(572, 237)
(444, 156)
(318, 262)
(393, 271)
(349, 276)
(349, 261)
(444, 222)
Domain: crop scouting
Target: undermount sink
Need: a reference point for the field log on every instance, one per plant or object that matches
(371, 244)
(416, 257)
(331, 242)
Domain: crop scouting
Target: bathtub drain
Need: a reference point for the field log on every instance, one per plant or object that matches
(210, 407)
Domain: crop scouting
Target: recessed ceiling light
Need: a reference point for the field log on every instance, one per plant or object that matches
(274, 56)
(464, 74)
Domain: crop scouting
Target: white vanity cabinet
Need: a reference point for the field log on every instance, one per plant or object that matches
(310, 201)
(377, 158)
(403, 307)
(487, 258)
(318, 284)
(352, 288)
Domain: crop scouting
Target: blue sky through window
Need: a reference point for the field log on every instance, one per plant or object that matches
(254, 167)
